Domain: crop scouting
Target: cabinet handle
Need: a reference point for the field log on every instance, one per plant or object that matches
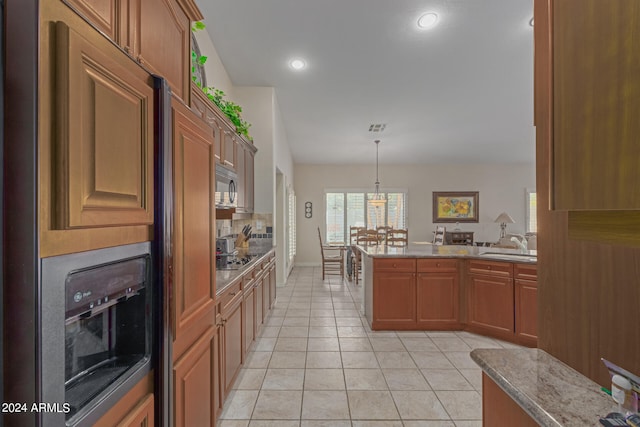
(127, 49)
(140, 60)
(488, 267)
(232, 293)
(395, 265)
(437, 264)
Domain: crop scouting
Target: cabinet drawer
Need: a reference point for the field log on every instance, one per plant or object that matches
(248, 276)
(395, 264)
(526, 271)
(493, 268)
(440, 265)
(232, 293)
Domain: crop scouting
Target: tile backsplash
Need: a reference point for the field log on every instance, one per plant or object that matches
(261, 226)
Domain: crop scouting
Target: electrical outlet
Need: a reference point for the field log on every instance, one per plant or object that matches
(259, 225)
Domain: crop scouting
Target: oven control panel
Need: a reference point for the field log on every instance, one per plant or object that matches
(100, 287)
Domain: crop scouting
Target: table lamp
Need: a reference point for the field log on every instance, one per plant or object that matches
(504, 219)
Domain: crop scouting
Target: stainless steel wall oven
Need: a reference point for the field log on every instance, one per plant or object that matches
(96, 330)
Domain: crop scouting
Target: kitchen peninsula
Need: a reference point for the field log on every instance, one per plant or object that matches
(490, 291)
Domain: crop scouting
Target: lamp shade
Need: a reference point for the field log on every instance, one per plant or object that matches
(504, 218)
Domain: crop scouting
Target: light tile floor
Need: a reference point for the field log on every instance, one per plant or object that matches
(317, 363)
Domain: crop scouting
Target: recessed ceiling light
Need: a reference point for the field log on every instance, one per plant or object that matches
(428, 20)
(297, 64)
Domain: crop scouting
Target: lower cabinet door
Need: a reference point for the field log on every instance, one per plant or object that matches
(272, 285)
(394, 300)
(527, 312)
(194, 379)
(259, 295)
(491, 306)
(265, 294)
(141, 415)
(233, 344)
(250, 317)
(438, 299)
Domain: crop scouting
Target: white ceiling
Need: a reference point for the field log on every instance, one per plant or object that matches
(461, 92)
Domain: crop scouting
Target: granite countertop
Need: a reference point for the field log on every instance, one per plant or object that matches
(414, 250)
(551, 392)
(225, 277)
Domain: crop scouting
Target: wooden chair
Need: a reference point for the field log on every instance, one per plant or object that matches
(355, 264)
(353, 234)
(383, 232)
(438, 238)
(367, 237)
(332, 258)
(397, 237)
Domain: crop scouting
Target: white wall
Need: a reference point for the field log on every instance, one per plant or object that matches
(216, 73)
(501, 187)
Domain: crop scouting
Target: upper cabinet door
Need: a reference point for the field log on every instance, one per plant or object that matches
(103, 14)
(162, 41)
(596, 104)
(104, 136)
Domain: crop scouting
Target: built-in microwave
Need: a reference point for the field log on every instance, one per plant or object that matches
(226, 193)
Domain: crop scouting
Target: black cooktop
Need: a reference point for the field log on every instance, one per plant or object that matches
(232, 262)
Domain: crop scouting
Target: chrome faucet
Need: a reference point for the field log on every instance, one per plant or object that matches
(521, 241)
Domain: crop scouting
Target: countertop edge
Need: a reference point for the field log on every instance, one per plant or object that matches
(551, 392)
(470, 252)
(539, 415)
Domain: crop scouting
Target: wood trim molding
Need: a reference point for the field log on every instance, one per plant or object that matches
(191, 10)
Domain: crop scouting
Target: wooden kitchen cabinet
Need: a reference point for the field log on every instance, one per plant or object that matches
(233, 343)
(194, 222)
(134, 409)
(196, 354)
(249, 183)
(103, 14)
(526, 304)
(249, 311)
(438, 294)
(491, 298)
(228, 146)
(394, 293)
(194, 382)
(157, 34)
(241, 182)
(160, 39)
(245, 152)
(592, 60)
(105, 153)
(259, 295)
(265, 293)
(204, 108)
(95, 179)
(499, 410)
(142, 415)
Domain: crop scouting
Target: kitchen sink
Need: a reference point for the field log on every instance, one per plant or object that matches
(527, 257)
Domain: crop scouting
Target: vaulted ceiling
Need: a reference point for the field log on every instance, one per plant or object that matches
(459, 92)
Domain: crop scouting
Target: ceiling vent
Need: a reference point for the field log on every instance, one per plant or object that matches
(377, 127)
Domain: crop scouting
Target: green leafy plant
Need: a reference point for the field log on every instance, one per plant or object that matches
(229, 108)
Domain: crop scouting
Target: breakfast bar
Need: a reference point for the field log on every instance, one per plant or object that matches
(490, 291)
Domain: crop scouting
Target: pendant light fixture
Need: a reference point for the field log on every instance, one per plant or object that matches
(378, 199)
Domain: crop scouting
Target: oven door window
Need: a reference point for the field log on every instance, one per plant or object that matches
(99, 349)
